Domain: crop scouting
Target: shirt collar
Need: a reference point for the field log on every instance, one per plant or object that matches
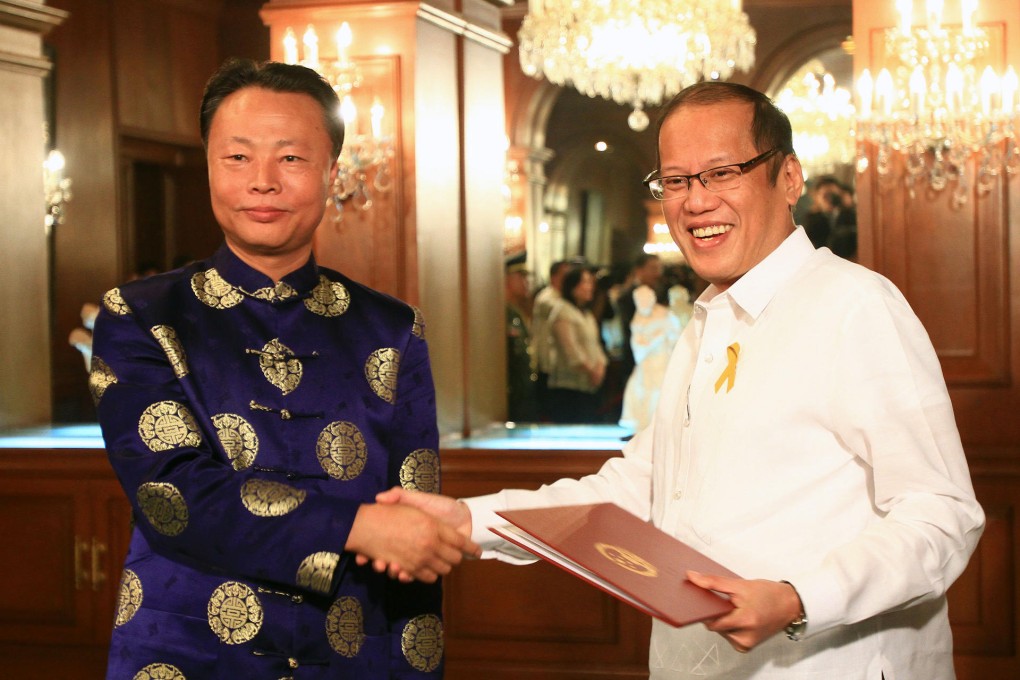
(241, 275)
(753, 291)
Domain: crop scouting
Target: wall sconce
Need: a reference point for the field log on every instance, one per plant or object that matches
(57, 189)
(363, 154)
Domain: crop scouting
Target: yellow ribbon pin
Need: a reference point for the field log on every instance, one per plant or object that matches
(729, 374)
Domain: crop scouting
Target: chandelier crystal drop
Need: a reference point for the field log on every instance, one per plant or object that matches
(937, 102)
(822, 116)
(635, 53)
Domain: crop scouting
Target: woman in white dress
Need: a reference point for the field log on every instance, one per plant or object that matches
(653, 332)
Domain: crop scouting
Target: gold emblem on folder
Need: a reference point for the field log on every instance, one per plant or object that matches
(628, 560)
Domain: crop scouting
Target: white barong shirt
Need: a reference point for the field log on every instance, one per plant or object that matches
(828, 457)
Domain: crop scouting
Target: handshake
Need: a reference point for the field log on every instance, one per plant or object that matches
(411, 535)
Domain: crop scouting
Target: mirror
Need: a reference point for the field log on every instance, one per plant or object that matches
(596, 214)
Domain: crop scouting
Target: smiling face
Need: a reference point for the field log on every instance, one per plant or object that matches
(725, 234)
(270, 168)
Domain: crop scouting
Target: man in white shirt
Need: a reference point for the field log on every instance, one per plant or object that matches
(804, 436)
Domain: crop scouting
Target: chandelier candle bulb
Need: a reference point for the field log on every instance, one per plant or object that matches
(290, 51)
(989, 86)
(865, 87)
(376, 114)
(344, 38)
(1009, 88)
(349, 112)
(311, 41)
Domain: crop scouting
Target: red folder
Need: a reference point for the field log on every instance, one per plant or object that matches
(623, 555)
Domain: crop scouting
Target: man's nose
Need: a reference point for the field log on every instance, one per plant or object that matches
(265, 179)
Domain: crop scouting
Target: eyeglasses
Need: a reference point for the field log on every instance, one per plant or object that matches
(714, 179)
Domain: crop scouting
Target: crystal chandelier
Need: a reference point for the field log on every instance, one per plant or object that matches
(936, 106)
(822, 118)
(635, 53)
(364, 154)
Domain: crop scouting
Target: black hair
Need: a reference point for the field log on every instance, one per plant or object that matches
(770, 128)
(236, 74)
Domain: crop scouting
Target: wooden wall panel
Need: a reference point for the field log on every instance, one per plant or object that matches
(86, 250)
(536, 622)
(164, 53)
(369, 244)
(957, 266)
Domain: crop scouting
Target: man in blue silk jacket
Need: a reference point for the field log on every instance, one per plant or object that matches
(252, 405)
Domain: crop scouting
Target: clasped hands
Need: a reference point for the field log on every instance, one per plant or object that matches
(761, 608)
(412, 536)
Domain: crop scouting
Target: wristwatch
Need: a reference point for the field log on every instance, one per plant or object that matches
(795, 629)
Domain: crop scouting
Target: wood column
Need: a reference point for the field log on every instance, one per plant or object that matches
(435, 238)
(24, 257)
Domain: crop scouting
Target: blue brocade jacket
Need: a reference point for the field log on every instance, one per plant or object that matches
(247, 421)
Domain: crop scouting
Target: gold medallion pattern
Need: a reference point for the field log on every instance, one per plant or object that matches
(316, 571)
(341, 450)
(627, 559)
(420, 471)
(265, 498)
(418, 326)
(281, 291)
(281, 368)
(166, 336)
(381, 371)
(164, 507)
(213, 290)
(101, 376)
(328, 298)
(167, 425)
(345, 626)
(238, 438)
(235, 613)
(159, 671)
(129, 597)
(422, 642)
(114, 303)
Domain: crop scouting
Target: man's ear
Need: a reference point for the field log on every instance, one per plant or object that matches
(792, 176)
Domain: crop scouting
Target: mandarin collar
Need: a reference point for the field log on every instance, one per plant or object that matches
(753, 291)
(241, 275)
